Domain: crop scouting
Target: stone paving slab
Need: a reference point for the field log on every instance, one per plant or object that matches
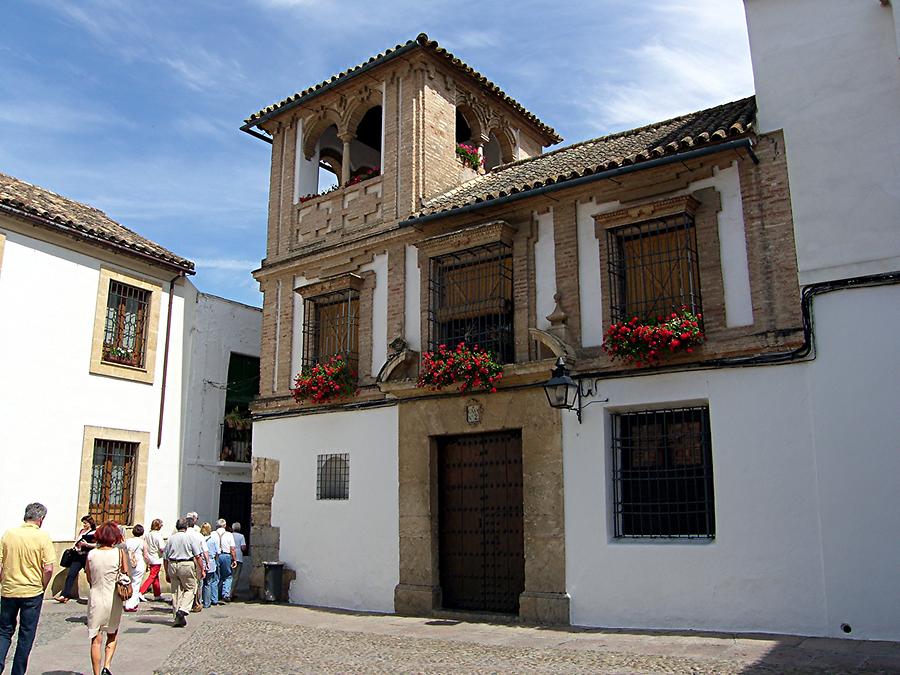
(255, 638)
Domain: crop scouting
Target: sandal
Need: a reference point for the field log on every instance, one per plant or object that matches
(61, 599)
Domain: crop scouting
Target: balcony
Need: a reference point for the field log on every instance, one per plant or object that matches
(344, 210)
(237, 437)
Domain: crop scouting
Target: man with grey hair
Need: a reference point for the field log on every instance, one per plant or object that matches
(184, 565)
(227, 560)
(240, 548)
(193, 530)
(26, 566)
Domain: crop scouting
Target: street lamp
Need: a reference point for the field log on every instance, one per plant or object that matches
(564, 393)
(561, 389)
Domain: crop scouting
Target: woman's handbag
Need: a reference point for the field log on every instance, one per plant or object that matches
(68, 557)
(123, 584)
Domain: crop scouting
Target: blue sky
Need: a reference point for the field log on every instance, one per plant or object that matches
(134, 107)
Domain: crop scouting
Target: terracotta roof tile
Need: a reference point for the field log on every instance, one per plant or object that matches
(671, 137)
(21, 198)
(421, 41)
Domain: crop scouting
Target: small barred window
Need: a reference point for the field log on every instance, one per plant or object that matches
(331, 328)
(662, 474)
(112, 481)
(471, 300)
(125, 328)
(653, 268)
(333, 476)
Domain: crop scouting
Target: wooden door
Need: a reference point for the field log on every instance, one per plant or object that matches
(481, 541)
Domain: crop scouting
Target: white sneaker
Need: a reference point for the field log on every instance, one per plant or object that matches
(142, 598)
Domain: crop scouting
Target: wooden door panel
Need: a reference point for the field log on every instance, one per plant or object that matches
(482, 565)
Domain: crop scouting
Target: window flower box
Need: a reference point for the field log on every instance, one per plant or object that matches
(645, 343)
(469, 368)
(324, 382)
(468, 155)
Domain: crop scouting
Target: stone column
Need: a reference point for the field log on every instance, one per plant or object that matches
(345, 157)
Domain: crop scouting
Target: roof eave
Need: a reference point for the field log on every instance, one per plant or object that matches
(186, 269)
(745, 142)
(378, 61)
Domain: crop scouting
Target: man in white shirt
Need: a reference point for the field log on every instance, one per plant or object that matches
(193, 531)
(240, 548)
(183, 566)
(227, 560)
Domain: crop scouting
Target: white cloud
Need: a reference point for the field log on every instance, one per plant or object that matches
(143, 32)
(472, 39)
(226, 264)
(292, 4)
(700, 58)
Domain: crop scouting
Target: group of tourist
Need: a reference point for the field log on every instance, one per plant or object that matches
(202, 564)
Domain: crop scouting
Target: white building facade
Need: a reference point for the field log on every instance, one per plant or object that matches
(93, 356)
(750, 486)
(223, 366)
(118, 373)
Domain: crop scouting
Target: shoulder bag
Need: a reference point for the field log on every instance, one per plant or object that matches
(123, 583)
(68, 557)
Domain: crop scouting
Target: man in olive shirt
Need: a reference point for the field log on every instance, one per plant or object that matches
(26, 566)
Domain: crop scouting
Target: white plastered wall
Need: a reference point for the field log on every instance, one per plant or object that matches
(48, 298)
(346, 553)
(544, 268)
(412, 327)
(219, 327)
(827, 73)
(805, 460)
(378, 328)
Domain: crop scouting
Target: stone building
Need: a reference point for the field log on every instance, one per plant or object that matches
(683, 494)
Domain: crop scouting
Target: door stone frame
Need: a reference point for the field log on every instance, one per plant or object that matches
(421, 421)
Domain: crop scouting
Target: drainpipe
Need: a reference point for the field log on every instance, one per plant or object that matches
(162, 395)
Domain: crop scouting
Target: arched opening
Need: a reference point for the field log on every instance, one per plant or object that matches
(463, 129)
(498, 150)
(466, 134)
(365, 148)
(321, 170)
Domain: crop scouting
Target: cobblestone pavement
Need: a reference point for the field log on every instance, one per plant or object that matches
(271, 647)
(254, 638)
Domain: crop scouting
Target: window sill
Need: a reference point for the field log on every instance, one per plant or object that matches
(662, 541)
(121, 371)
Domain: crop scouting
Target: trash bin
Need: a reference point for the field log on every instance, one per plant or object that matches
(274, 577)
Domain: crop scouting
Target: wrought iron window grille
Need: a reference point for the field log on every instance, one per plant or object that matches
(333, 476)
(653, 268)
(125, 328)
(662, 474)
(331, 328)
(471, 300)
(112, 481)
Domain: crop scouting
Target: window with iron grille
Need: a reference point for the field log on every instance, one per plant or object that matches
(662, 474)
(125, 328)
(331, 328)
(112, 481)
(471, 300)
(333, 476)
(653, 268)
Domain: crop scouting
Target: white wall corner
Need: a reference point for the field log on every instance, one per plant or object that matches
(379, 266)
(589, 272)
(544, 268)
(412, 325)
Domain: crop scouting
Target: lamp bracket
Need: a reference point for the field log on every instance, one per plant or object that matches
(587, 388)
